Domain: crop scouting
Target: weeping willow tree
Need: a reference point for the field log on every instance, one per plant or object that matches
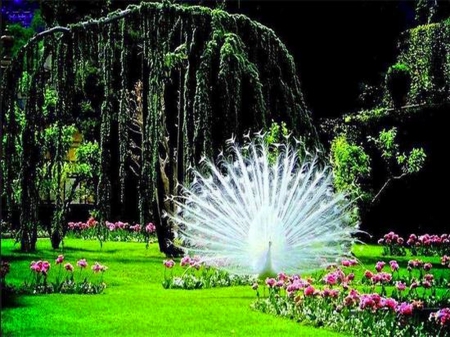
(204, 76)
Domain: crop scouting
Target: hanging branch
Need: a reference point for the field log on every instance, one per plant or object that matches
(123, 114)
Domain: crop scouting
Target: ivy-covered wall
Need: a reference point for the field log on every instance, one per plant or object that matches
(206, 76)
(404, 137)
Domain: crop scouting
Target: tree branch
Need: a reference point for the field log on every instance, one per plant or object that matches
(386, 185)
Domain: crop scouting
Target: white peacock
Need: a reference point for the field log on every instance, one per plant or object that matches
(257, 212)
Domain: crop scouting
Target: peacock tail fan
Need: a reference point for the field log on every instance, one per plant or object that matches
(260, 211)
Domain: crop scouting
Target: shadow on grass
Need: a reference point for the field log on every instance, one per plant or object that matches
(10, 298)
(93, 250)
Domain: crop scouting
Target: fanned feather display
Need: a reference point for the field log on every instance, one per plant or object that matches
(264, 210)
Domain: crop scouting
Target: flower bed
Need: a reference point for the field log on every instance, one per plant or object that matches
(69, 279)
(417, 245)
(199, 275)
(113, 231)
(386, 301)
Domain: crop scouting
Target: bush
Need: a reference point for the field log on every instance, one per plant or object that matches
(398, 83)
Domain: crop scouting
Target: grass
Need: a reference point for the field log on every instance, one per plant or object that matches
(134, 303)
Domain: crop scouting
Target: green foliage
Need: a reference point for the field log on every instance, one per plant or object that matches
(88, 160)
(414, 161)
(23, 34)
(395, 160)
(50, 100)
(398, 81)
(351, 167)
(276, 134)
(425, 49)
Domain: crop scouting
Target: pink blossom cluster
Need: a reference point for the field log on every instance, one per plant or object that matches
(338, 277)
(349, 263)
(112, 226)
(419, 264)
(390, 239)
(150, 228)
(374, 302)
(40, 267)
(82, 263)
(136, 228)
(290, 284)
(68, 267)
(445, 260)
(169, 263)
(119, 225)
(188, 261)
(427, 240)
(441, 317)
(97, 267)
(90, 223)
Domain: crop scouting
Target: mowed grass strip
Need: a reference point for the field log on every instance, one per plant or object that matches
(134, 302)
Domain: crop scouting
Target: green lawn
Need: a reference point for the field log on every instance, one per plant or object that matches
(134, 303)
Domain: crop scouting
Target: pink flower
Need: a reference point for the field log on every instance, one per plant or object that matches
(429, 277)
(282, 277)
(82, 263)
(380, 241)
(350, 277)
(427, 266)
(279, 284)
(270, 282)
(390, 303)
(368, 274)
(309, 290)
(36, 266)
(349, 263)
(255, 286)
(426, 284)
(68, 267)
(367, 302)
(150, 228)
(379, 266)
(185, 261)
(405, 309)
(441, 316)
(334, 293)
(394, 265)
(136, 228)
(331, 279)
(445, 259)
(400, 286)
(91, 222)
(59, 259)
(169, 263)
(97, 267)
(45, 267)
(111, 226)
(400, 241)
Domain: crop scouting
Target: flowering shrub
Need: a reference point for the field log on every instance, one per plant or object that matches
(198, 275)
(67, 280)
(387, 301)
(115, 231)
(425, 245)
